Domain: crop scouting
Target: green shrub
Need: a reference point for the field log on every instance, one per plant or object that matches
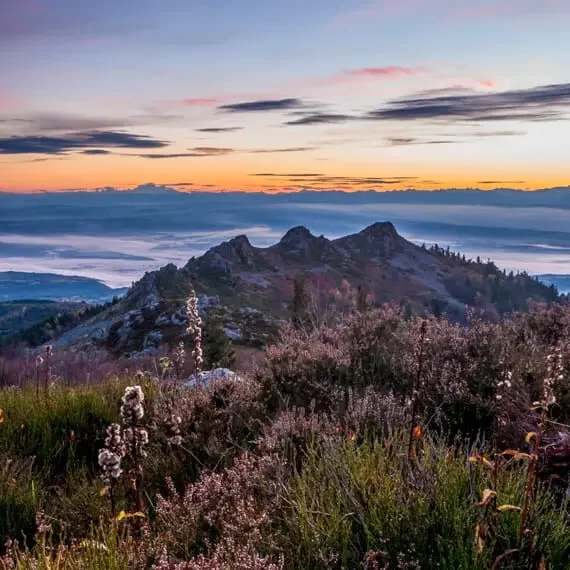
(352, 499)
(18, 499)
(59, 429)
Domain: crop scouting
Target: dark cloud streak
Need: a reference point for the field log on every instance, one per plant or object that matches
(263, 105)
(216, 130)
(543, 103)
(75, 141)
(321, 119)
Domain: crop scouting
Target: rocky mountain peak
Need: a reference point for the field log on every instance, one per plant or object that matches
(237, 252)
(380, 229)
(298, 237)
(377, 240)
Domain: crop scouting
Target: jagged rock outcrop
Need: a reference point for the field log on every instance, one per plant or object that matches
(236, 274)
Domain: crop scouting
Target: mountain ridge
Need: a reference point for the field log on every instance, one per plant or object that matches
(250, 289)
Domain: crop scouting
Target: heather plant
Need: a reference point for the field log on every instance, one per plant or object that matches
(204, 427)
(306, 367)
(222, 515)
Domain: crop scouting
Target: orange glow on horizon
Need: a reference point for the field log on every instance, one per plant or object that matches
(235, 173)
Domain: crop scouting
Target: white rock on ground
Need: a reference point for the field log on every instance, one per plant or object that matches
(206, 377)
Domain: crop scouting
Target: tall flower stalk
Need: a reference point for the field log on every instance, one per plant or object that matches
(110, 458)
(194, 331)
(126, 441)
(135, 436)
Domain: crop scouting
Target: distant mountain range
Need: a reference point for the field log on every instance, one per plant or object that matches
(18, 286)
(249, 286)
(558, 196)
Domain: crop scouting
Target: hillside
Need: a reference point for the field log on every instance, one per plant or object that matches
(17, 316)
(250, 289)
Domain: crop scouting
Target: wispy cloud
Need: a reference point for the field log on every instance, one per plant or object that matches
(201, 102)
(486, 182)
(323, 181)
(278, 175)
(263, 105)
(365, 74)
(279, 150)
(215, 130)
(212, 150)
(407, 141)
(392, 71)
(76, 141)
(321, 119)
(543, 103)
(96, 151)
(168, 155)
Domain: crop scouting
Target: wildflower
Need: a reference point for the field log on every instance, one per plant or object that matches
(114, 441)
(503, 385)
(194, 330)
(137, 439)
(179, 358)
(110, 464)
(554, 374)
(173, 430)
(39, 360)
(132, 405)
(41, 523)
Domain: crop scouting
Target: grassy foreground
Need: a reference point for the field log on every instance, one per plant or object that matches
(375, 442)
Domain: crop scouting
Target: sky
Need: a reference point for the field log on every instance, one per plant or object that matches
(284, 94)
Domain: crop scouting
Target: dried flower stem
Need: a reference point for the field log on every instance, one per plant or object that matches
(531, 480)
(416, 390)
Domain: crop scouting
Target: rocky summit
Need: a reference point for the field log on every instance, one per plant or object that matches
(251, 288)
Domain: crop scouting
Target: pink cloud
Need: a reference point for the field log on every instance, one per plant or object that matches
(201, 102)
(364, 74)
(9, 100)
(390, 72)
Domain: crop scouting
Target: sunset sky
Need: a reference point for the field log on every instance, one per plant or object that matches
(284, 94)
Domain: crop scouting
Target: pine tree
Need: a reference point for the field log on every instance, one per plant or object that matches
(218, 348)
(301, 300)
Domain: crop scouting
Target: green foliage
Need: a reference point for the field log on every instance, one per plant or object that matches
(172, 285)
(218, 348)
(485, 286)
(351, 498)
(59, 429)
(18, 498)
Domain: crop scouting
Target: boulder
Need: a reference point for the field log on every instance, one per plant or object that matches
(206, 377)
